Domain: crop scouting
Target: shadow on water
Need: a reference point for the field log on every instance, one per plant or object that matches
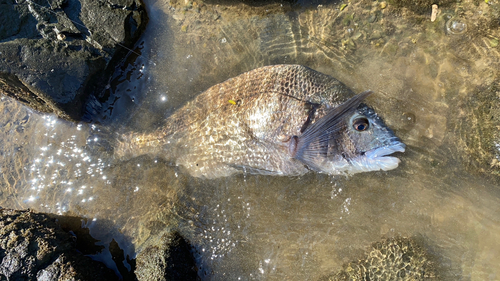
(435, 86)
(107, 251)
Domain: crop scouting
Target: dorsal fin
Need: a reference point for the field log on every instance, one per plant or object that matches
(314, 141)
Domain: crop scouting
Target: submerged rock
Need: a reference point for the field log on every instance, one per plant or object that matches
(397, 258)
(169, 258)
(33, 246)
(420, 6)
(56, 53)
(477, 128)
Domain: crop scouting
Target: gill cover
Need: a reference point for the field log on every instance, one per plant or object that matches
(316, 138)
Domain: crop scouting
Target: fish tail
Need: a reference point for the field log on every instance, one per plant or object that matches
(131, 145)
(123, 149)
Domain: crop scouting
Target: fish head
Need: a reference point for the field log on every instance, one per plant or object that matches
(365, 144)
(350, 139)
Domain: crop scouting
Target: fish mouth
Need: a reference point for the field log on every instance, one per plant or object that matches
(378, 158)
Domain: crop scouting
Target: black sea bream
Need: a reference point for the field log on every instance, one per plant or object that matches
(276, 120)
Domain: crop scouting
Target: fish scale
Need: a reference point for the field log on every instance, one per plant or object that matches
(244, 123)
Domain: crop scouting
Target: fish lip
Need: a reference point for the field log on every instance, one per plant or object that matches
(378, 159)
(383, 151)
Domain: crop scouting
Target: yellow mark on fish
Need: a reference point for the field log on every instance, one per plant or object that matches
(232, 102)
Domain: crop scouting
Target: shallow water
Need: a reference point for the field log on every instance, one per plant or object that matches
(432, 81)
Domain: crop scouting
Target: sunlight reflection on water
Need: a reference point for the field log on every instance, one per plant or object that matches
(61, 162)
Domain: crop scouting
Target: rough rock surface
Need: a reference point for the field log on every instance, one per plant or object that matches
(55, 53)
(168, 259)
(33, 246)
(391, 259)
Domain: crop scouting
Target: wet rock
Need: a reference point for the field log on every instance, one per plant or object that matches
(33, 246)
(54, 54)
(169, 258)
(397, 258)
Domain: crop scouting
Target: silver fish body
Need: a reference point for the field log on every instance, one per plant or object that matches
(279, 120)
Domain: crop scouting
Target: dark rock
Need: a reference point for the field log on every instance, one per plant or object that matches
(56, 53)
(33, 246)
(167, 259)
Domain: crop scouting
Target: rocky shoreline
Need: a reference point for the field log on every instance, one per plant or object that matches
(34, 246)
(57, 54)
(49, 247)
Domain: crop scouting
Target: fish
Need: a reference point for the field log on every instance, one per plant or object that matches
(283, 120)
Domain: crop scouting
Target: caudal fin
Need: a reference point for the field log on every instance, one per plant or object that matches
(131, 145)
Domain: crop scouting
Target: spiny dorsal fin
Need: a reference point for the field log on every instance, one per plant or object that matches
(314, 141)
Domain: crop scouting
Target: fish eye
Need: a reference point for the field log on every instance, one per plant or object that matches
(360, 124)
